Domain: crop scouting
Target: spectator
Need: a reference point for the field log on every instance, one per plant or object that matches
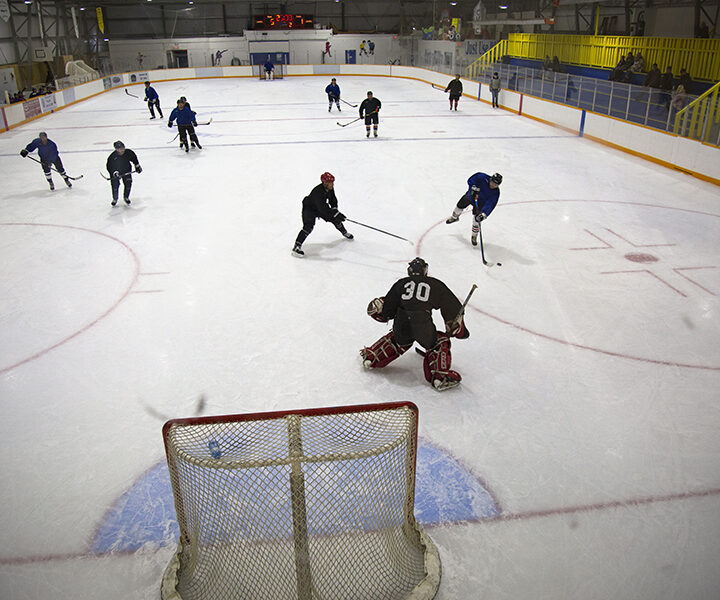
(512, 84)
(679, 98)
(547, 65)
(666, 85)
(556, 64)
(617, 72)
(652, 79)
(703, 31)
(685, 80)
(140, 57)
(640, 25)
(639, 64)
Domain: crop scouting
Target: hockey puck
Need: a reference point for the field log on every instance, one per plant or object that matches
(499, 264)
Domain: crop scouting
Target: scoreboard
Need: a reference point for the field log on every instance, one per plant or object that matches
(284, 22)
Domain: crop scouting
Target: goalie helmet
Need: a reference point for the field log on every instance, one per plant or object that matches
(496, 178)
(327, 177)
(417, 266)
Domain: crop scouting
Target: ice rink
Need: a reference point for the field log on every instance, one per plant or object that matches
(578, 460)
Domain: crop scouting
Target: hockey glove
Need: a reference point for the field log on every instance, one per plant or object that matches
(338, 216)
(475, 189)
(116, 174)
(194, 123)
(138, 169)
(457, 329)
(24, 153)
(375, 309)
(480, 217)
(170, 124)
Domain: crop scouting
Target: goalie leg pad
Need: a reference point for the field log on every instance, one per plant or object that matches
(382, 352)
(437, 365)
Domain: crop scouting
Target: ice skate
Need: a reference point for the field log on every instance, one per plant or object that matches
(297, 251)
(67, 182)
(452, 219)
(127, 201)
(52, 186)
(445, 383)
(114, 202)
(473, 240)
(348, 236)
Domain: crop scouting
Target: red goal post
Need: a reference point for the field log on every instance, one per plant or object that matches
(311, 504)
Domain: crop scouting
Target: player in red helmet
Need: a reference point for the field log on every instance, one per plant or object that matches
(320, 203)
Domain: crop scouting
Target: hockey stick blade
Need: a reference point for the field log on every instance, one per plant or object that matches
(129, 94)
(438, 88)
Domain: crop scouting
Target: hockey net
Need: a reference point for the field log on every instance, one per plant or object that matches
(278, 72)
(309, 505)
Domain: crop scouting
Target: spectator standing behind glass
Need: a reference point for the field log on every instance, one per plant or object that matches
(666, 85)
(685, 80)
(495, 89)
(679, 98)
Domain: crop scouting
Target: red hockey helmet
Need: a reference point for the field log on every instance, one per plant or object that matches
(327, 177)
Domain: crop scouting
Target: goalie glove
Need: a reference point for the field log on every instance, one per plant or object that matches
(457, 329)
(375, 309)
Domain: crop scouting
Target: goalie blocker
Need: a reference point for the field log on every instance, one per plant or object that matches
(409, 304)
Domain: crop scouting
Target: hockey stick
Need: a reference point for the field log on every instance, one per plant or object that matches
(178, 133)
(129, 94)
(113, 177)
(353, 105)
(380, 230)
(438, 88)
(482, 250)
(457, 319)
(355, 120)
(199, 408)
(176, 136)
(52, 168)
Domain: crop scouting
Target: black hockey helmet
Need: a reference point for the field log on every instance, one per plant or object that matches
(496, 178)
(117, 145)
(42, 134)
(417, 266)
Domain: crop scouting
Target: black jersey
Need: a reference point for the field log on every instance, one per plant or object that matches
(455, 87)
(370, 105)
(421, 293)
(122, 164)
(322, 202)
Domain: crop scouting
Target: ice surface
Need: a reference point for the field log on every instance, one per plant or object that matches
(578, 459)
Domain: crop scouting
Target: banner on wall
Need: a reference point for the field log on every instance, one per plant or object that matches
(48, 102)
(136, 77)
(101, 23)
(4, 10)
(31, 108)
(112, 81)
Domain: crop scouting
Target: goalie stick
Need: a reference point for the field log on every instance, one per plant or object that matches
(380, 230)
(456, 320)
(129, 94)
(52, 168)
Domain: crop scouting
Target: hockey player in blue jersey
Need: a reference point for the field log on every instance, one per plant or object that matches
(269, 69)
(153, 100)
(186, 123)
(333, 92)
(483, 194)
(48, 153)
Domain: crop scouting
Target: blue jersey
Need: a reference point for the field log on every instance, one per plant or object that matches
(487, 198)
(184, 116)
(269, 66)
(47, 152)
(150, 93)
(333, 90)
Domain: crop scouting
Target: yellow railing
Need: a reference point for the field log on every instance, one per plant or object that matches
(700, 57)
(491, 56)
(699, 118)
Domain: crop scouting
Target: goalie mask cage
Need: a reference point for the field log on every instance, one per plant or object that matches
(313, 504)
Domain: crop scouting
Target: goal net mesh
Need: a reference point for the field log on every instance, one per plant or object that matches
(308, 505)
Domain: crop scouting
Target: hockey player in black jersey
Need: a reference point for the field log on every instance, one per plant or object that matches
(371, 107)
(320, 203)
(119, 165)
(409, 304)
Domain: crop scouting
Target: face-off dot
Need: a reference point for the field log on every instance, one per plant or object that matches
(640, 257)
